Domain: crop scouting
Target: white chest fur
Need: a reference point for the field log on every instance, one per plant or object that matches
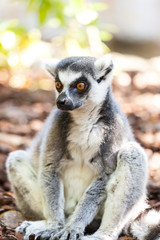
(83, 144)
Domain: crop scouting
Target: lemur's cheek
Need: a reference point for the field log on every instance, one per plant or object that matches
(77, 105)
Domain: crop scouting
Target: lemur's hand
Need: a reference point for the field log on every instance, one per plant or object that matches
(39, 229)
(68, 233)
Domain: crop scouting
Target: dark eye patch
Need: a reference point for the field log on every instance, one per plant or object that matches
(79, 80)
(57, 80)
(73, 86)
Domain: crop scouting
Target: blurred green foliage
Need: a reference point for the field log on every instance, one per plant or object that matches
(63, 10)
(20, 37)
(77, 22)
(14, 37)
(75, 16)
(15, 34)
(44, 8)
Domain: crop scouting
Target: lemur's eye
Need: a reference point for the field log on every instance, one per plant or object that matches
(58, 85)
(80, 86)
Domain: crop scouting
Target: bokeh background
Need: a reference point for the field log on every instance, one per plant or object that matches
(33, 30)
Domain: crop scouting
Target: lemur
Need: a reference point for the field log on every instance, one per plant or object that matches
(85, 166)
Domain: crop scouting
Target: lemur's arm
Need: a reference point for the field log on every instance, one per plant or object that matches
(95, 194)
(52, 196)
(90, 203)
(86, 209)
(50, 182)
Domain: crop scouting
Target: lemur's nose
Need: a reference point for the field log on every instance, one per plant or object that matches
(62, 99)
(63, 102)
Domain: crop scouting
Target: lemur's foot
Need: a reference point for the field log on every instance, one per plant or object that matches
(22, 228)
(68, 233)
(98, 236)
(38, 229)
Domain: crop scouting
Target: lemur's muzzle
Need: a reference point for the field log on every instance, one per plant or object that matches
(64, 102)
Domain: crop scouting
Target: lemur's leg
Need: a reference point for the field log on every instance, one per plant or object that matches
(24, 183)
(29, 197)
(125, 190)
(52, 195)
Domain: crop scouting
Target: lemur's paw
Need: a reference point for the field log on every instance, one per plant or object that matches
(22, 228)
(52, 230)
(68, 234)
(44, 235)
(30, 228)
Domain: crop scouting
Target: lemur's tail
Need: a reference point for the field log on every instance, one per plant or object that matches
(147, 225)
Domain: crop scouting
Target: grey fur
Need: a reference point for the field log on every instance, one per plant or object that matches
(94, 140)
(77, 64)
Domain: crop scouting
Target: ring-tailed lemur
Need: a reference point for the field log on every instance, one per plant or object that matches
(85, 164)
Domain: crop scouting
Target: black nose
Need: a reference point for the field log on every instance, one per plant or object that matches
(64, 103)
(62, 100)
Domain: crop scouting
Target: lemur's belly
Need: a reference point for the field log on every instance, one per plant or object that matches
(76, 179)
(78, 171)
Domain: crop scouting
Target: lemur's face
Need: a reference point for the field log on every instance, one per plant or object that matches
(81, 81)
(73, 89)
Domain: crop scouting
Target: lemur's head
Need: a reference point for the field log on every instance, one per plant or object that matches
(81, 81)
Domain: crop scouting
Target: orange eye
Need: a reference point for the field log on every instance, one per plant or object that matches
(58, 85)
(80, 86)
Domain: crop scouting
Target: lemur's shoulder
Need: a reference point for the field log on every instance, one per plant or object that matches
(115, 119)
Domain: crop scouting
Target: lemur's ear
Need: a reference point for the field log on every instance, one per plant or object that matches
(50, 65)
(103, 66)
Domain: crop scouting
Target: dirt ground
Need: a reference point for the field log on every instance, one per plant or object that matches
(22, 114)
